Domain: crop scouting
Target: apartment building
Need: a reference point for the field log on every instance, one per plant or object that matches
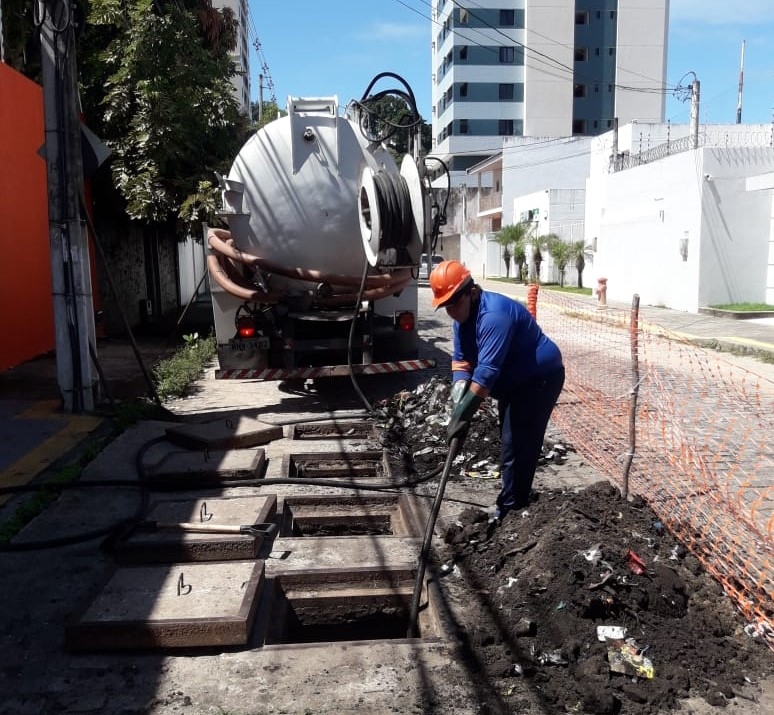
(542, 68)
(241, 54)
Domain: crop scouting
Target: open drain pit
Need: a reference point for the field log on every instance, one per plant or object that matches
(335, 608)
(334, 430)
(336, 515)
(338, 465)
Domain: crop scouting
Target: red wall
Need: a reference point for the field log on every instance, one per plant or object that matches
(26, 310)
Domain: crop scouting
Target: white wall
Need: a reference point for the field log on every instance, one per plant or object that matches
(639, 216)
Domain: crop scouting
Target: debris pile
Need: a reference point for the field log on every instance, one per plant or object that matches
(583, 602)
(413, 425)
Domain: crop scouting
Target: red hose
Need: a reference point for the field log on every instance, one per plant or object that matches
(221, 242)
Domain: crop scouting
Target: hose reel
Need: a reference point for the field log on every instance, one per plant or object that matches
(391, 212)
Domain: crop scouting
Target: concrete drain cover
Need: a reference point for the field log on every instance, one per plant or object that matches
(171, 606)
(338, 465)
(365, 605)
(181, 530)
(336, 515)
(232, 431)
(185, 469)
(334, 430)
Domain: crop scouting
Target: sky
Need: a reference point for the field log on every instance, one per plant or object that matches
(314, 49)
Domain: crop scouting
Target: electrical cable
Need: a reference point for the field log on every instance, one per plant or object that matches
(56, 542)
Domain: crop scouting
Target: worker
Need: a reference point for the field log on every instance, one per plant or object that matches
(499, 350)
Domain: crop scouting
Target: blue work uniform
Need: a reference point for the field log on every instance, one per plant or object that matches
(502, 348)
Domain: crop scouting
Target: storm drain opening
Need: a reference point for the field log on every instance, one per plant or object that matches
(345, 515)
(334, 430)
(353, 606)
(338, 465)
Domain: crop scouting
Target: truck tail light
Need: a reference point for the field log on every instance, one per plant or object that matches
(245, 326)
(406, 322)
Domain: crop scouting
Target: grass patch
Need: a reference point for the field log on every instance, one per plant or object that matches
(744, 307)
(567, 289)
(175, 375)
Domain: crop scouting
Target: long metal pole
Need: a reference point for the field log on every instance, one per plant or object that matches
(71, 277)
(741, 86)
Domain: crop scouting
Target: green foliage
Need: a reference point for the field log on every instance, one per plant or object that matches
(156, 88)
(560, 251)
(270, 112)
(513, 238)
(175, 375)
(578, 254)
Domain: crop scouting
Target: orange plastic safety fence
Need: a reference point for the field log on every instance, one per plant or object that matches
(703, 456)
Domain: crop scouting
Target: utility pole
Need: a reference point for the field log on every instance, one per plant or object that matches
(695, 94)
(741, 85)
(260, 98)
(70, 270)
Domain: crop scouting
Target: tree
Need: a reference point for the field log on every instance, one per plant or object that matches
(513, 239)
(270, 112)
(578, 254)
(560, 251)
(156, 88)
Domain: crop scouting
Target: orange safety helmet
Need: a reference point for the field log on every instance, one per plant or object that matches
(447, 278)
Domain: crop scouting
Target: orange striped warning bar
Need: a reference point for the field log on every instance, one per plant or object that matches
(309, 373)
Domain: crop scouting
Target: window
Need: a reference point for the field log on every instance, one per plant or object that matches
(505, 127)
(612, 14)
(463, 89)
(579, 126)
(581, 18)
(599, 14)
(581, 54)
(611, 51)
(463, 126)
(596, 88)
(596, 52)
(464, 53)
(579, 90)
(507, 18)
(506, 91)
(609, 88)
(506, 55)
(464, 16)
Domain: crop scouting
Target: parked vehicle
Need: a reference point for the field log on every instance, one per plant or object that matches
(426, 267)
(314, 275)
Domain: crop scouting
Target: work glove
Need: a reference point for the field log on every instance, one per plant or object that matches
(461, 415)
(459, 388)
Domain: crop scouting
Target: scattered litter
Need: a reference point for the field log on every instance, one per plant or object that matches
(625, 658)
(617, 633)
(552, 658)
(635, 563)
(561, 605)
(593, 554)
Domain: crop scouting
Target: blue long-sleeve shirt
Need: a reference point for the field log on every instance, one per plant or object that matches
(501, 345)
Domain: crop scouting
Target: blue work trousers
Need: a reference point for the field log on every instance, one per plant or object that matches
(524, 415)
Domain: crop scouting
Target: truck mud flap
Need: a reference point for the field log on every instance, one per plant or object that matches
(299, 373)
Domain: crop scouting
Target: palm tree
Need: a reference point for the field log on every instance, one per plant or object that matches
(512, 238)
(560, 251)
(578, 254)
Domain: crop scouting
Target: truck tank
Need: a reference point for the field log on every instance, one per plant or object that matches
(317, 268)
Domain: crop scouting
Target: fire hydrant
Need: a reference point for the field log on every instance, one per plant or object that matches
(601, 292)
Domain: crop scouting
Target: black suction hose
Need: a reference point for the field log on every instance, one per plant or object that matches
(454, 447)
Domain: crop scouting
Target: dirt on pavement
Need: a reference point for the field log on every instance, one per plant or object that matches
(532, 591)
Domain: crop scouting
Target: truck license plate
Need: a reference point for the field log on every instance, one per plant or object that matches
(261, 343)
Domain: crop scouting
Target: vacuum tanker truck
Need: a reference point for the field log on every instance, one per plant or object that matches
(314, 272)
